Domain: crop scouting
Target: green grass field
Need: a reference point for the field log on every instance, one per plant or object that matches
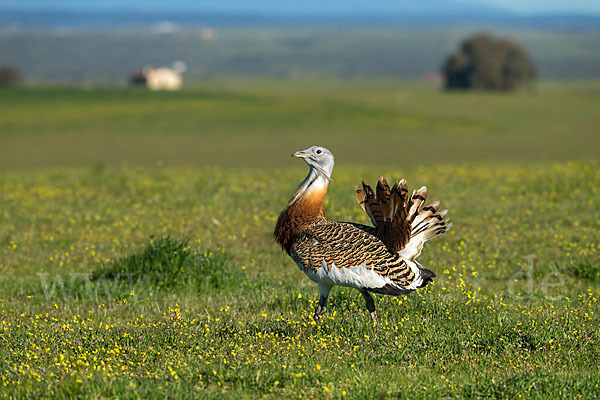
(366, 123)
(124, 277)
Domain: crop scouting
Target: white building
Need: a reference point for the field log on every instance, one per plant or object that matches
(160, 78)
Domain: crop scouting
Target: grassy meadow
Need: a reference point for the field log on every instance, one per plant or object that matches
(136, 256)
(247, 123)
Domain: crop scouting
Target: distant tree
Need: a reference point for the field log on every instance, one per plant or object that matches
(9, 76)
(484, 62)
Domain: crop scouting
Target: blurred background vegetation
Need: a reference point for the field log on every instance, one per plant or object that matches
(259, 123)
(259, 83)
(106, 56)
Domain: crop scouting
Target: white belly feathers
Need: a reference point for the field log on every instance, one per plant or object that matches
(356, 276)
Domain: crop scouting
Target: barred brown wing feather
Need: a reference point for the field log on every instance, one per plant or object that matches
(346, 246)
(388, 210)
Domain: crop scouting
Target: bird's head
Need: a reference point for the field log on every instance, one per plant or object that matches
(318, 158)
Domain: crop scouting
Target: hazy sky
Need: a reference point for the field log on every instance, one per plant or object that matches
(547, 5)
(310, 6)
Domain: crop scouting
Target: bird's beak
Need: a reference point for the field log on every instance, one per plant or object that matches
(300, 154)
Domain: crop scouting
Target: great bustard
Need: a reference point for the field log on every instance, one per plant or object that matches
(380, 258)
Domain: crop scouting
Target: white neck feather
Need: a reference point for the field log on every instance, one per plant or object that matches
(314, 180)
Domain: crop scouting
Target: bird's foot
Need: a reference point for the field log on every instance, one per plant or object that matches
(319, 311)
(374, 317)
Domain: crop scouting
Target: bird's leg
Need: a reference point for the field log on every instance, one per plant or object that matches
(322, 307)
(370, 304)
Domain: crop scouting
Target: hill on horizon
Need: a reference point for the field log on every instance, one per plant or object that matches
(289, 53)
(110, 14)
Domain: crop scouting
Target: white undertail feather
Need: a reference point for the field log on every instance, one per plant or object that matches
(418, 281)
(426, 225)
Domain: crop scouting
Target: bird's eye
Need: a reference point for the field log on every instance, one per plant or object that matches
(319, 151)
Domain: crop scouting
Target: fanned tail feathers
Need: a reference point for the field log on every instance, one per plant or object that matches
(402, 222)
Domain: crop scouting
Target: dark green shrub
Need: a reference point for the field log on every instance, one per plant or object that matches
(9, 76)
(484, 62)
(586, 270)
(169, 263)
